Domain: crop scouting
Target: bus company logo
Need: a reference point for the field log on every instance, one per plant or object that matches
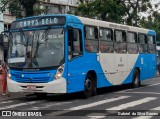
(30, 79)
(6, 113)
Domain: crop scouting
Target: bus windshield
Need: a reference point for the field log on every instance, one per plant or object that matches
(36, 48)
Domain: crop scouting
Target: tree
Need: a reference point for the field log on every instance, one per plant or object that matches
(152, 22)
(21, 8)
(119, 11)
(133, 10)
(107, 10)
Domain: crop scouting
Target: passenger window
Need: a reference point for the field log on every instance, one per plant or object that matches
(142, 40)
(132, 46)
(120, 42)
(151, 44)
(91, 41)
(106, 40)
(74, 42)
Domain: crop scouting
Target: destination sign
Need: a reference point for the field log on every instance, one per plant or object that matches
(40, 21)
(119, 26)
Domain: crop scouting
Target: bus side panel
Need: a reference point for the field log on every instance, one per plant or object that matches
(147, 65)
(153, 65)
(78, 68)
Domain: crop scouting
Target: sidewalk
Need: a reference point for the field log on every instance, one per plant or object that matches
(12, 95)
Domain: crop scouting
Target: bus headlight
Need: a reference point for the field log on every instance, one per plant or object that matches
(59, 72)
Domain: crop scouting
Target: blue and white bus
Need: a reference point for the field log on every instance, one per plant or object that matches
(66, 54)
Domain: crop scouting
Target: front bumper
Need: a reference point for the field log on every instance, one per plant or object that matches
(56, 86)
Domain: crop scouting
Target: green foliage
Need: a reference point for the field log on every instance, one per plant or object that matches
(21, 8)
(107, 10)
(152, 22)
(119, 11)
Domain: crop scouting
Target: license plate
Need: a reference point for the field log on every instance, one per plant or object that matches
(31, 87)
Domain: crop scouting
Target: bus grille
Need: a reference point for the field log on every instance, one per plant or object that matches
(32, 78)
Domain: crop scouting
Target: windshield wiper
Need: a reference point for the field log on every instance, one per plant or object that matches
(43, 37)
(23, 36)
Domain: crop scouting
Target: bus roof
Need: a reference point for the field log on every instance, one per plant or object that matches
(94, 22)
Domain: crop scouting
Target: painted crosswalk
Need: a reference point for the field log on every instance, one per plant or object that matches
(127, 105)
(18, 105)
(117, 103)
(132, 104)
(98, 103)
(148, 117)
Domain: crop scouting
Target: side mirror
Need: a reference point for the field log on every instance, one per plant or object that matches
(5, 39)
(75, 34)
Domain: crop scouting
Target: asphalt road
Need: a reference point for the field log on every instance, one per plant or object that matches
(121, 102)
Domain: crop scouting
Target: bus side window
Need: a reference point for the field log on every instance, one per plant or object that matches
(151, 44)
(106, 40)
(120, 41)
(143, 46)
(132, 46)
(91, 39)
(74, 42)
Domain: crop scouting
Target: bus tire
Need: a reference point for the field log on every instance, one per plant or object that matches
(41, 95)
(136, 79)
(89, 86)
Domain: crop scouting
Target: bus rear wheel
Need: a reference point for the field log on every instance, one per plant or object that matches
(136, 79)
(90, 86)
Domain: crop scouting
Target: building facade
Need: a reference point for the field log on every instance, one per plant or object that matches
(1, 37)
(60, 6)
(51, 6)
(1, 20)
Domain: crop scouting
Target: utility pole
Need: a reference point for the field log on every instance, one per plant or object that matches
(1, 23)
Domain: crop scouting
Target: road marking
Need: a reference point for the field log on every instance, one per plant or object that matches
(132, 104)
(48, 105)
(18, 105)
(96, 117)
(4, 102)
(138, 88)
(97, 103)
(147, 117)
(144, 93)
(87, 105)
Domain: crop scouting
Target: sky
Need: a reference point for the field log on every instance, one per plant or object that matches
(155, 1)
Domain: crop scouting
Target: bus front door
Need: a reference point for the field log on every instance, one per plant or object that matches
(75, 58)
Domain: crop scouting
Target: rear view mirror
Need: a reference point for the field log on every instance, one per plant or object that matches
(75, 34)
(4, 39)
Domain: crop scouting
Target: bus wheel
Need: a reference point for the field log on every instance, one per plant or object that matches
(90, 86)
(136, 79)
(41, 95)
